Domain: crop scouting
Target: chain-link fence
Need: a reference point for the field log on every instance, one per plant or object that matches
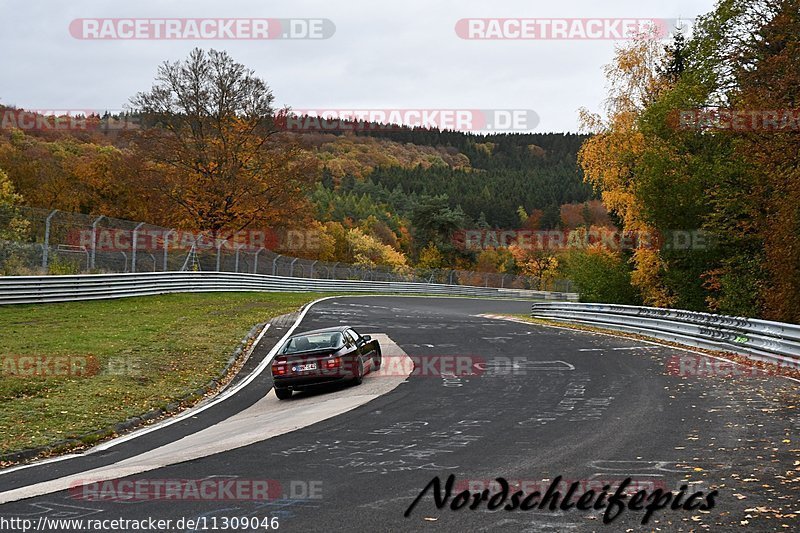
(72, 243)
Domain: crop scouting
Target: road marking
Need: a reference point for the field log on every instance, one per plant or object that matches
(525, 365)
(618, 349)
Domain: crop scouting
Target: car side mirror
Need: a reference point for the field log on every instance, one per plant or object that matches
(367, 338)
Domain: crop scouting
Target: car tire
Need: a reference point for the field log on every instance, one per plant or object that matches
(283, 394)
(358, 371)
(377, 359)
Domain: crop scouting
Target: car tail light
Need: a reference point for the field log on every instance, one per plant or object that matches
(279, 368)
(333, 363)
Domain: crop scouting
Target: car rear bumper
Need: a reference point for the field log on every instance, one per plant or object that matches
(305, 382)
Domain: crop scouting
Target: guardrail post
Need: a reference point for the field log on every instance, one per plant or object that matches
(255, 260)
(133, 246)
(166, 246)
(275, 264)
(46, 247)
(94, 241)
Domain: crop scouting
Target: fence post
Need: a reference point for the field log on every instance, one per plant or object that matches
(236, 263)
(94, 240)
(275, 264)
(133, 246)
(333, 274)
(166, 246)
(312, 269)
(255, 260)
(291, 267)
(46, 247)
(220, 242)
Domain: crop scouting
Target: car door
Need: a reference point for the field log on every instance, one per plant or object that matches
(349, 354)
(366, 348)
(358, 344)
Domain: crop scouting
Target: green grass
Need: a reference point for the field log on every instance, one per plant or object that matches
(149, 351)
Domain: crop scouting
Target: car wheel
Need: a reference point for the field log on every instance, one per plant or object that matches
(358, 372)
(283, 394)
(377, 359)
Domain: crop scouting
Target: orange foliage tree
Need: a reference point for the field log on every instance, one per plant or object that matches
(216, 160)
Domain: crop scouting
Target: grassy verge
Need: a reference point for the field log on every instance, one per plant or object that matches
(124, 357)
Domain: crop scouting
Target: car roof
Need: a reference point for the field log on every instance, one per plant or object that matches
(340, 329)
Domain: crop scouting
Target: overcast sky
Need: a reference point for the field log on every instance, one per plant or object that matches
(383, 54)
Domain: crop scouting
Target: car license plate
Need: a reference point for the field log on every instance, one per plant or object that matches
(301, 368)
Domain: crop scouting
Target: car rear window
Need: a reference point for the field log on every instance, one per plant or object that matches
(316, 341)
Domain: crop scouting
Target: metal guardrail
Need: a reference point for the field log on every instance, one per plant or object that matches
(760, 339)
(41, 289)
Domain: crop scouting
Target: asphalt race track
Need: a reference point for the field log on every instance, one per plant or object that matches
(530, 403)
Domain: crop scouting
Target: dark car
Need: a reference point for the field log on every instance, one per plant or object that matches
(323, 356)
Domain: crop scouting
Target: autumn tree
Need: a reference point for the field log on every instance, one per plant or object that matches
(40, 169)
(739, 184)
(13, 229)
(611, 157)
(430, 257)
(12, 225)
(600, 275)
(218, 162)
(367, 251)
(768, 81)
(537, 262)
